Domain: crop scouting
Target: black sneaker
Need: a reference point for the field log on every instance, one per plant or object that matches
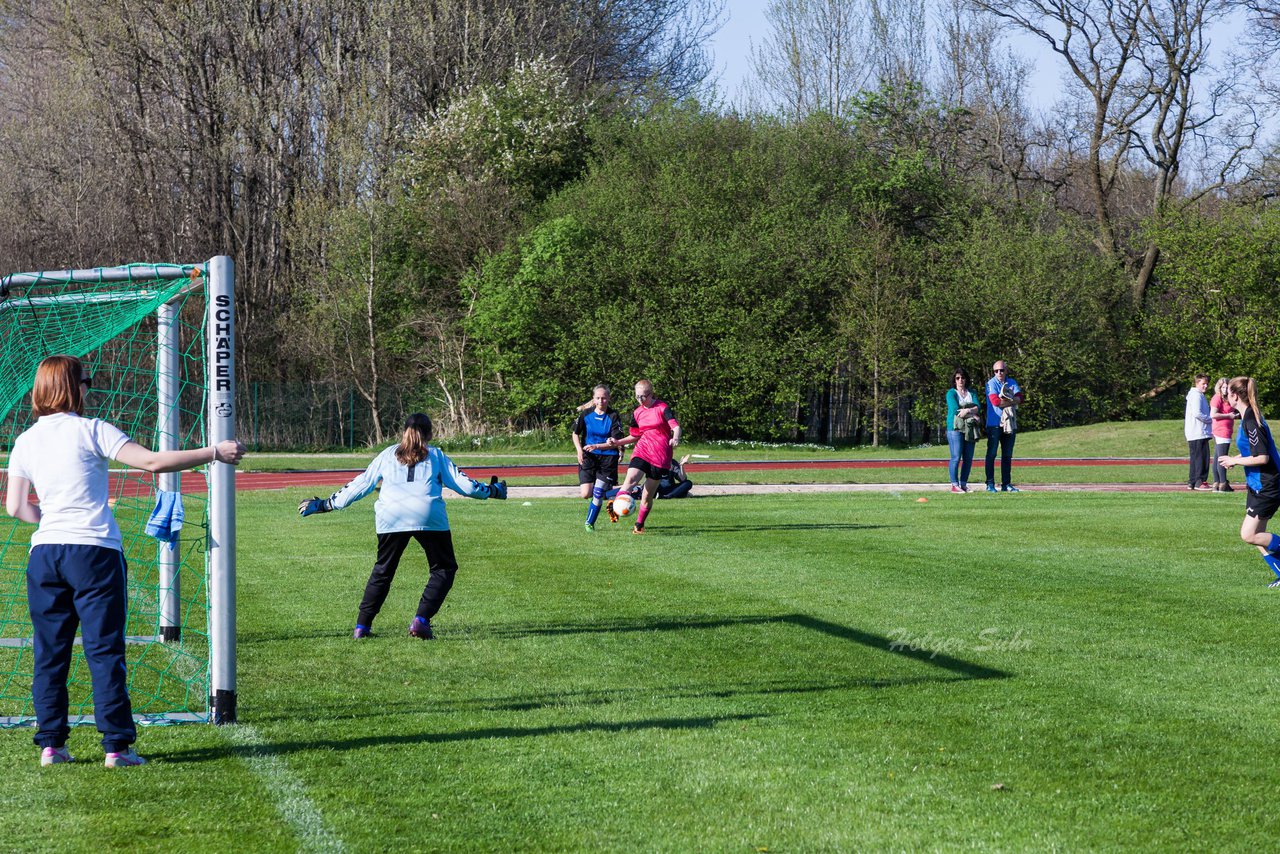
(421, 629)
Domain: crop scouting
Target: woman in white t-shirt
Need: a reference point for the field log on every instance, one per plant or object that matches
(76, 569)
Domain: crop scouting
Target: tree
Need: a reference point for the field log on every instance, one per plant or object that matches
(1215, 308)
(471, 172)
(1144, 89)
(218, 126)
(878, 283)
(815, 56)
(1001, 285)
(986, 81)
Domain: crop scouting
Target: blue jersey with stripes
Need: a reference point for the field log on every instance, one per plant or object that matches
(1254, 440)
(411, 497)
(595, 429)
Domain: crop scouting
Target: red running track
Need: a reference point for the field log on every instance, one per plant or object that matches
(194, 482)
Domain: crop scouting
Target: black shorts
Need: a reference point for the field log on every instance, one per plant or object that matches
(596, 466)
(648, 468)
(1261, 506)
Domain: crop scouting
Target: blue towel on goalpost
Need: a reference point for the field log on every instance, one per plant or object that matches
(166, 519)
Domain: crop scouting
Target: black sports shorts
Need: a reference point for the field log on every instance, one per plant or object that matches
(598, 465)
(1261, 506)
(648, 468)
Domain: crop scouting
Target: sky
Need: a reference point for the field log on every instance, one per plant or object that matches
(745, 21)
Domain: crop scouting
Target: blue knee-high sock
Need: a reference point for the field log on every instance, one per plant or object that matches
(597, 497)
(1274, 546)
(1273, 563)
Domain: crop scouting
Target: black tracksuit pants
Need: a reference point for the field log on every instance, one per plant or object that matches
(438, 546)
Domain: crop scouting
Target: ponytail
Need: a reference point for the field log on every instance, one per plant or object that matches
(1247, 390)
(413, 442)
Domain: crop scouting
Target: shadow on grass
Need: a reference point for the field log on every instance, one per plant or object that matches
(965, 669)
(950, 669)
(679, 531)
(603, 697)
(251, 751)
(245, 638)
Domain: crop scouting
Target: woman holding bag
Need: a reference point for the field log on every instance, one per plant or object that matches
(964, 426)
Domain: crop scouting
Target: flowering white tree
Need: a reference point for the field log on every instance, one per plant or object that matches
(471, 170)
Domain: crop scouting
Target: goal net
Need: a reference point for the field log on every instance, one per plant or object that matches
(157, 342)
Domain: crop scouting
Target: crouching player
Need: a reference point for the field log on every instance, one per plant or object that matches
(1262, 476)
(410, 505)
(655, 433)
(596, 424)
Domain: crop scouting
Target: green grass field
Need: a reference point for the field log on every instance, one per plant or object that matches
(785, 673)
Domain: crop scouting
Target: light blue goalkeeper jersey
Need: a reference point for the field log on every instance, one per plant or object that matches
(410, 498)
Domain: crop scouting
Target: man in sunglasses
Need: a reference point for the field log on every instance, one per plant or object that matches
(1004, 395)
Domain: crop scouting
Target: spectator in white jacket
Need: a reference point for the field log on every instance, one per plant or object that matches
(1197, 425)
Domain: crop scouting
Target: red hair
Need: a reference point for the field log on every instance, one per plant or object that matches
(57, 386)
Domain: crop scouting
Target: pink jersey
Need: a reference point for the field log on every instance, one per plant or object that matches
(1221, 426)
(654, 425)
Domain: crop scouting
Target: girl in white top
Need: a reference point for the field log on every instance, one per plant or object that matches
(76, 569)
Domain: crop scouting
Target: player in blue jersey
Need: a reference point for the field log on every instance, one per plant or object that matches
(410, 505)
(596, 424)
(1262, 475)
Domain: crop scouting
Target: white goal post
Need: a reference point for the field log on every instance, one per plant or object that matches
(219, 322)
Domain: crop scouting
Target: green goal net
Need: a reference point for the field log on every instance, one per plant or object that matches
(141, 332)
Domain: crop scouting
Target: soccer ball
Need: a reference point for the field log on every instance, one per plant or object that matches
(622, 504)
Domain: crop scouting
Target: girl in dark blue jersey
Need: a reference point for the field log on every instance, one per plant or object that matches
(1262, 475)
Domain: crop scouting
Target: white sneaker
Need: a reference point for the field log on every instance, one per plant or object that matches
(55, 756)
(124, 759)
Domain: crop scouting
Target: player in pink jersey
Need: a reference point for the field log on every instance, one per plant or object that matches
(655, 433)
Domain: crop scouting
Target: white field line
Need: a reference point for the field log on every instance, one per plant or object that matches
(286, 789)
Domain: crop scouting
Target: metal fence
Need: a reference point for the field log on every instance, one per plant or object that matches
(294, 416)
(315, 415)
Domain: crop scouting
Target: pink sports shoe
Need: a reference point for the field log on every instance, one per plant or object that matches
(124, 759)
(55, 756)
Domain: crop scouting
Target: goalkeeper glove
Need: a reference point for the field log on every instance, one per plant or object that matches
(497, 488)
(315, 505)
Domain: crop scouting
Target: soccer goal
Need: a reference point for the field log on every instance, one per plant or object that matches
(158, 341)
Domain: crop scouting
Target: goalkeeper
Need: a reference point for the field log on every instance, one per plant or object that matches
(410, 506)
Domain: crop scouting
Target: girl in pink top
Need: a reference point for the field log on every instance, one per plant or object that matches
(655, 433)
(1223, 416)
